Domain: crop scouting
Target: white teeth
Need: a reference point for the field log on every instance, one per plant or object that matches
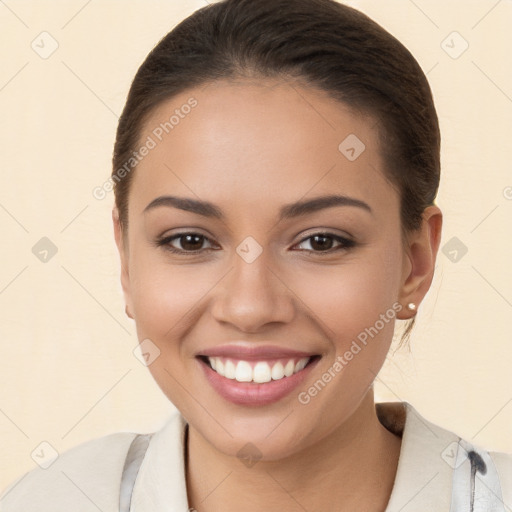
(288, 369)
(229, 369)
(262, 371)
(300, 365)
(277, 371)
(243, 372)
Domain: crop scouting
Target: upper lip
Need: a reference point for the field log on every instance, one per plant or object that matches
(245, 352)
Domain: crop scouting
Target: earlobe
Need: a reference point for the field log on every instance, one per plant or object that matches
(421, 258)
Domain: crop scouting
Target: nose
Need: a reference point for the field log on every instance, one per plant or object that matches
(253, 295)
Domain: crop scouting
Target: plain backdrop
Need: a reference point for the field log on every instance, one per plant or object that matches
(67, 368)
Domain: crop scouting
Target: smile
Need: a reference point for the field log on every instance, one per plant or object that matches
(257, 371)
(255, 377)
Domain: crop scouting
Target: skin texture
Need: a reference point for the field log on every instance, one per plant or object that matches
(251, 147)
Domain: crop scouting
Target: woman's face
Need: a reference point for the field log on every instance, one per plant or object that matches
(269, 272)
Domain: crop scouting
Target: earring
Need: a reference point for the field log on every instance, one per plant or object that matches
(411, 306)
(128, 314)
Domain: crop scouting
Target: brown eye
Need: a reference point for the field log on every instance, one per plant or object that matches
(184, 243)
(191, 242)
(324, 242)
(321, 242)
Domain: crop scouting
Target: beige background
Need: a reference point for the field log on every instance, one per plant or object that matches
(67, 371)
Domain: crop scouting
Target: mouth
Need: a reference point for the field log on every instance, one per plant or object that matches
(256, 379)
(259, 371)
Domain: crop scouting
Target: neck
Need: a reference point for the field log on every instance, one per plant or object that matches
(354, 467)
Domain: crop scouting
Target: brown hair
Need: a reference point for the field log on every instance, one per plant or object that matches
(325, 44)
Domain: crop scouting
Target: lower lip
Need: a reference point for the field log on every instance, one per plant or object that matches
(252, 393)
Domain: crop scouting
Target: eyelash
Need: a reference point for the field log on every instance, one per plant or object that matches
(346, 243)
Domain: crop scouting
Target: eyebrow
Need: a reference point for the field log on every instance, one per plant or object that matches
(292, 210)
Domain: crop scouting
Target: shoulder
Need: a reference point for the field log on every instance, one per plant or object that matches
(474, 469)
(81, 479)
(462, 472)
(456, 446)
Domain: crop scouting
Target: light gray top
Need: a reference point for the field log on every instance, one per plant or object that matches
(145, 473)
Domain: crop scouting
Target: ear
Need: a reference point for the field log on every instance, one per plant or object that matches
(420, 260)
(122, 247)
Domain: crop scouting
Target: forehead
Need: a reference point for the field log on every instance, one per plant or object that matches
(251, 141)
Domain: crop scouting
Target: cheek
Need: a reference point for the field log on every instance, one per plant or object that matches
(348, 297)
(354, 304)
(164, 296)
(167, 305)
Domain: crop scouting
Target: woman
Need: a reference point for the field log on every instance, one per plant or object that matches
(275, 170)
